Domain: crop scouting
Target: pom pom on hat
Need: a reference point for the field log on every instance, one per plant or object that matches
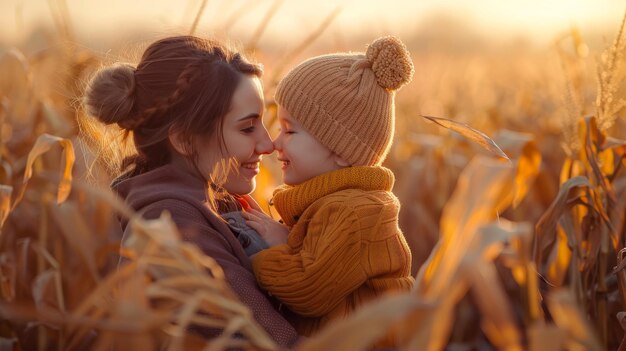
(391, 62)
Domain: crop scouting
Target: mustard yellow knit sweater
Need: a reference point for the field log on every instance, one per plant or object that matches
(344, 247)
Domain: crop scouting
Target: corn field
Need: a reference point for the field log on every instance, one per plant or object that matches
(509, 169)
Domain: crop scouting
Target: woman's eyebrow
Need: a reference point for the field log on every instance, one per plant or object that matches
(250, 116)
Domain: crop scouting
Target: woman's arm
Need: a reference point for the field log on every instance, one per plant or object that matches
(195, 228)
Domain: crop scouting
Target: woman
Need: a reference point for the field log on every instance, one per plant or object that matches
(195, 112)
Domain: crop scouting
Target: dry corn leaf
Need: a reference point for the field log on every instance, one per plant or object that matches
(14, 72)
(533, 295)
(125, 341)
(228, 339)
(572, 222)
(576, 231)
(161, 231)
(592, 138)
(129, 316)
(543, 337)
(50, 279)
(511, 142)
(598, 208)
(497, 318)
(492, 238)
(56, 122)
(559, 260)
(8, 274)
(45, 291)
(367, 325)
(567, 316)
(105, 196)
(26, 270)
(182, 287)
(431, 331)
(482, 192)
(215, 308)
(620, 271)
(78, 235)
(527, 158)
(8, 344)
(5, 202)
(528, 166)
(42, 145)
(472, 134)
(606, 162)
(621, 317)
(619, 148)
(162, 235)
(592, 237)
(617, 214)
(524, 272)
(570, 169)
(98, 305)
(612, 142)
(546, 226)
(498, 323)
(4, 113)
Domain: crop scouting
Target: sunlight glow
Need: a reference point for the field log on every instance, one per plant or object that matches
(538, 20)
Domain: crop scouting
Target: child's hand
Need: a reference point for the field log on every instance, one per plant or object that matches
(273, 232)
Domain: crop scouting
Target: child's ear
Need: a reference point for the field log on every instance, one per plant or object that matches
(340, 161)
(178, 142)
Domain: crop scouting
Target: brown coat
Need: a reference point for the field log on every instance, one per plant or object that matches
(184, 196)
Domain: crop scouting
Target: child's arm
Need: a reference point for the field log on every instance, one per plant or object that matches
(313, 279)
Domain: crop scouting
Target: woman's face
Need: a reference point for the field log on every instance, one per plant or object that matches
(244, 136)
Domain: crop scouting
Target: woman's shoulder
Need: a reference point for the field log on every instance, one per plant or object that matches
(198, 224)
(177, 206)
(184, 211)
(164, 188)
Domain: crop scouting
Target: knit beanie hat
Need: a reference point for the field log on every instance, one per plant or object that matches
(346, 100)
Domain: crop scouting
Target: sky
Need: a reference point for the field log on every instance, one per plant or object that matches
(536, 20)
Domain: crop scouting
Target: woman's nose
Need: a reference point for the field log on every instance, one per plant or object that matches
(278, 142)
(265, 145)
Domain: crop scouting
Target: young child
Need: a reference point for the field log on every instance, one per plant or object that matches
(344, 247)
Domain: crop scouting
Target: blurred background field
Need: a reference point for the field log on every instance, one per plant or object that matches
(529, 253)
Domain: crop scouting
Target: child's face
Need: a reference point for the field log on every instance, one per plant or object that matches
(302, 156)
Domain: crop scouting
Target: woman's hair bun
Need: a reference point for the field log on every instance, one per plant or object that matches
(110, 94)
(391, 62)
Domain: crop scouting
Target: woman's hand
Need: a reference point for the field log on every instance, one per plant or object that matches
(271, 231)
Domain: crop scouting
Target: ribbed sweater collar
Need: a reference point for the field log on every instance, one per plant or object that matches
(291, 201)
